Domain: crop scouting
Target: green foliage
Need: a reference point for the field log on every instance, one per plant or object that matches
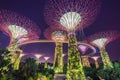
(5, 63)
(74, 68)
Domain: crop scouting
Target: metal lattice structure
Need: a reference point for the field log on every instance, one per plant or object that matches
(55, 34)
(71, 14)
(13, 23)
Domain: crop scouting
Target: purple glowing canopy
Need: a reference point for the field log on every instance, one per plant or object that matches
(85, 11)
(86, 49)
(18, 22)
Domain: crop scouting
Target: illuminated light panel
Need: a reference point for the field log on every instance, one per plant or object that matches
(83, 48)
(46, 58)
(38, 55)
(17, 31)
(95, 57)
(58, 36)
(100, 42)
(70, 20)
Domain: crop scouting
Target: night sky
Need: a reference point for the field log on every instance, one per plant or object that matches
(108, 19)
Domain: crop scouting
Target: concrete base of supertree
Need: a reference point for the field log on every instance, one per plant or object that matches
(58, 59)
(74, 68)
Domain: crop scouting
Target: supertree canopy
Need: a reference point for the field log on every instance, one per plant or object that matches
(58, 36)
(101, 40)
(71, 15)
(18, 26)
(19, 29)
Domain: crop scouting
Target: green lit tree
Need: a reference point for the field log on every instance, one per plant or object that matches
(101, 40)
(6, 66)
(57, 35)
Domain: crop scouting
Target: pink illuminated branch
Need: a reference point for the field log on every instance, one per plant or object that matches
(83, 13)
(83, 48)
(101, 39)
(8, 18)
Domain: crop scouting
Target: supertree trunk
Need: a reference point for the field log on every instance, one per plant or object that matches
(85, 61)
(74, 69)
(18, 59)
(58, 59)
(45, 65)
(106, 60)
(17, 62)
(96, 64)
(12, 48)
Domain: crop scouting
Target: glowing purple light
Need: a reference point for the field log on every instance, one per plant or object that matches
(83, 48)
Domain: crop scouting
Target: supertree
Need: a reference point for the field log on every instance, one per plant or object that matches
(18, 59)
(46, 59)
(19, 28)
(95, 58)
(86, 52)
(38, 56)
(100, 40)
(71, 15)
(58, 36)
